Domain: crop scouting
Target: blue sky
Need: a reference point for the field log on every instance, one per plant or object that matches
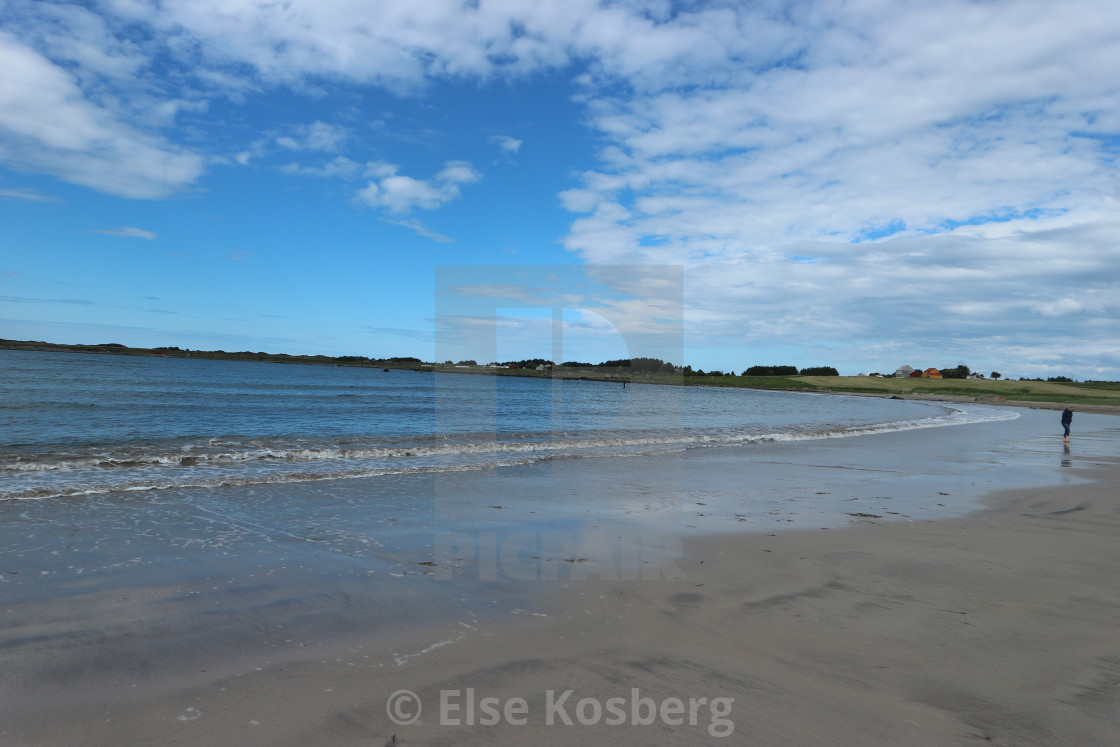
(860, 184)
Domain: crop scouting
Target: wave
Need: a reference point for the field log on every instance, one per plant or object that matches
(229, 462)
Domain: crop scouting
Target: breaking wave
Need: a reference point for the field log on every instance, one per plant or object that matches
(241, 461)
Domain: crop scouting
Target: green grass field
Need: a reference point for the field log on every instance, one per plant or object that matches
(1096, 393)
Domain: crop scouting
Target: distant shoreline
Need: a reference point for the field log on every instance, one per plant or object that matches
(220, 355)
(1095, 397)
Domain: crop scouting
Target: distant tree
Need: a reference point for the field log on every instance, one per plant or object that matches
(575, 364)
(531, 363)
(1060, 379)
(468, 363)
(995, 374)
(646, 365)
(958, 372)
(820, 371)
(668, 368)
(771, 371)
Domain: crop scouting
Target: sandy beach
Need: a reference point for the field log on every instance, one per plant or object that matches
(997, 626)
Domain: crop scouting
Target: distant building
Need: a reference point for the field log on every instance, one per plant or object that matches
(903, 372)
(932, 373)
(976, 376)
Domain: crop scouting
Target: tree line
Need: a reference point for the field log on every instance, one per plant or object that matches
(658, 366)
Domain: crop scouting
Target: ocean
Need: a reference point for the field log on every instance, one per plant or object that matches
(76, 424)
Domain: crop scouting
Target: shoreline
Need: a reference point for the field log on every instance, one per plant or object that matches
(965, 400)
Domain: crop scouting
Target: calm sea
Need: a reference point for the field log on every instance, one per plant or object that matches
(75, 424)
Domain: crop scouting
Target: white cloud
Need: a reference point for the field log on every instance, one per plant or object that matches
(128, 232)
(48, 124)
(420, 229)
(27, 194)
(508, 144)
(395, 44)
(340, 167)
(401, 194)
(1061, 307)
(79, 37)
(981, 136)
(315, 136)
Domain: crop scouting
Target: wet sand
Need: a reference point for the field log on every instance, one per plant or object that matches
(998, 627)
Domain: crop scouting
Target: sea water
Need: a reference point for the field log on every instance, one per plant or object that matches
(73, 424)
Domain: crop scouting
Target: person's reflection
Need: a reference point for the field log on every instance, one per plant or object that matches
(1066, 461)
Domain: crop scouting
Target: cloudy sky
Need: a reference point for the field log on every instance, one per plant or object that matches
(859, 183)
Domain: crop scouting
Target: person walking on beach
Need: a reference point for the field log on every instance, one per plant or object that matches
(1067, 419)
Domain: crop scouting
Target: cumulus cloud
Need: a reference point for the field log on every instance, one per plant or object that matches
(396, 44)
(872, 172)
(48, 124)
(400, 194)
